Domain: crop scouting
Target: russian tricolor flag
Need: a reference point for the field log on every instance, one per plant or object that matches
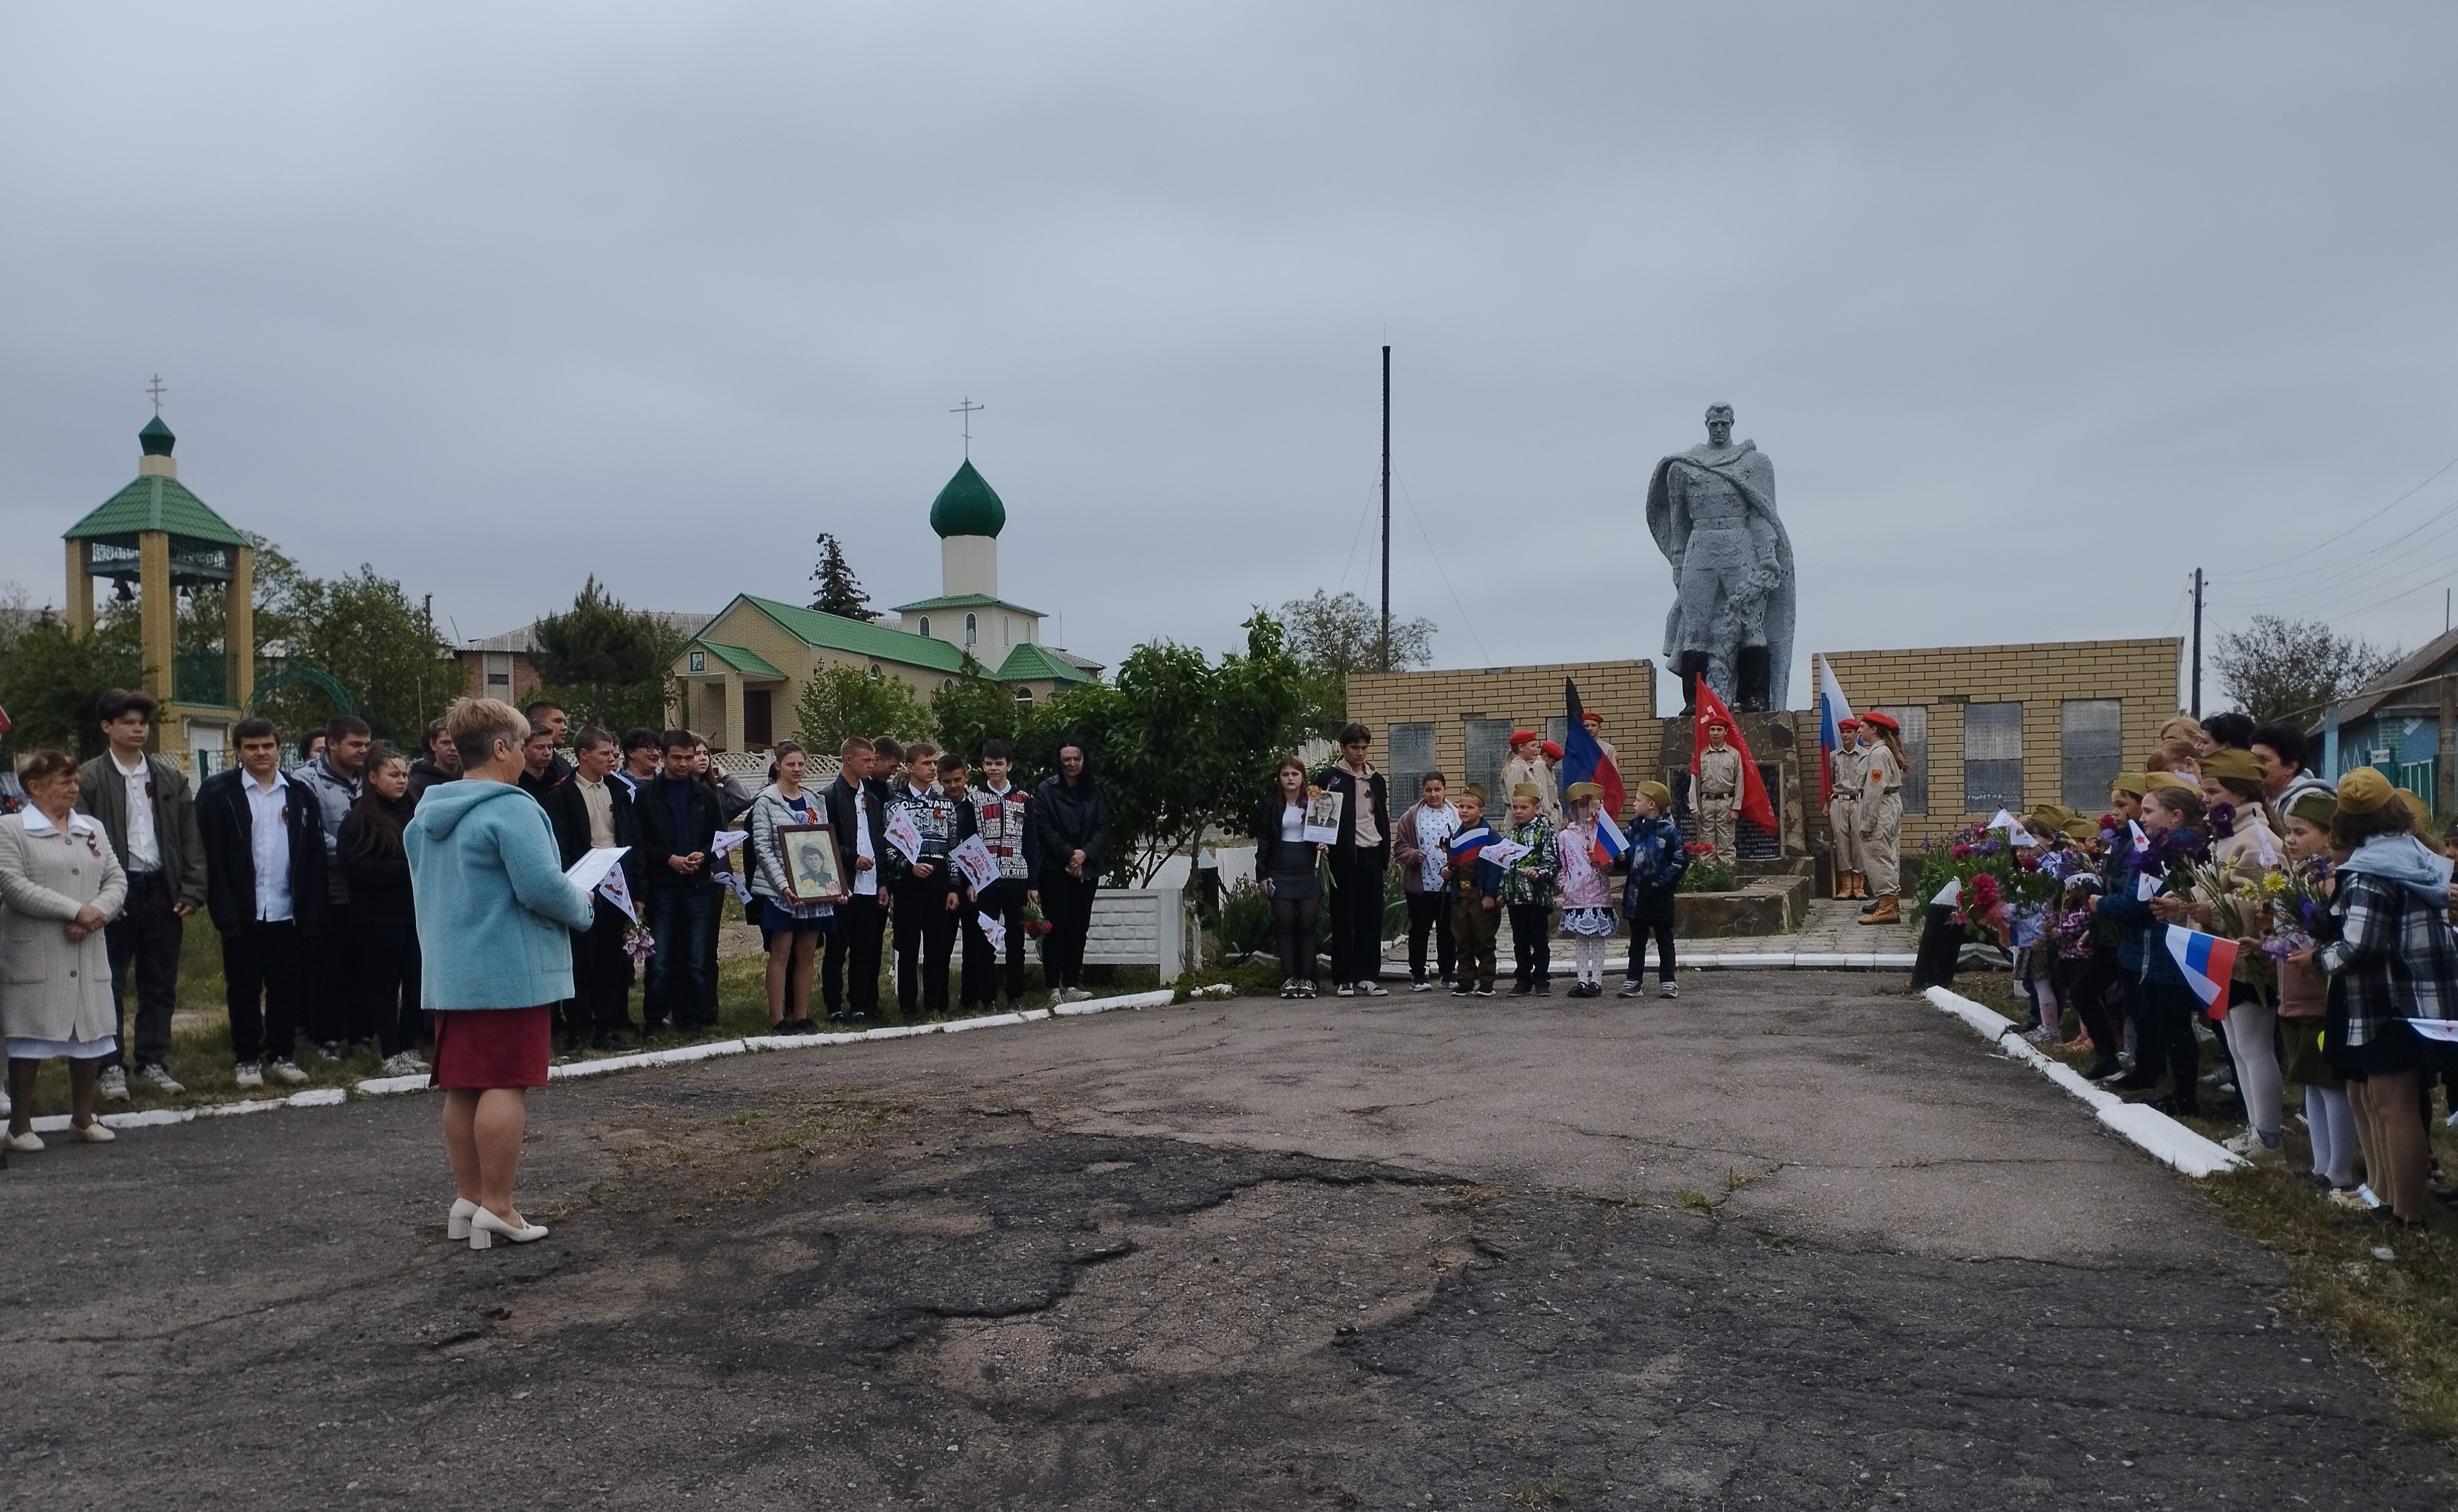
(1466, 844)
(2207, 961)
(1612, 844)
(1832, 712)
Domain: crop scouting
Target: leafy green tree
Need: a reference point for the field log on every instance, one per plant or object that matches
(606, 663)
(2280, 668)
(845, 699)
(50, 680)
(1334, 635)
(969, 708)
(368, 634)
(840, 592)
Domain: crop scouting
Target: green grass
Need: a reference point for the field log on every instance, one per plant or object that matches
(2400, 1312)
(200, 1043)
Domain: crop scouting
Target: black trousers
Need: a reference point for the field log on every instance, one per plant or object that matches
(1067, 906)
(1639, 931)
(926, 938)
(1357, 913)
(1531, 944)
(1431, 913)
(264, 979)
(2163, 1025)
(601, 975)
(2091, 996)
(1003, 901)
(337, 1001)
(849, 957)
(389, 947)
(143, 942)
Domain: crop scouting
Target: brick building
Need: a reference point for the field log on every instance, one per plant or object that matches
(2006, 727)
(1459, 722)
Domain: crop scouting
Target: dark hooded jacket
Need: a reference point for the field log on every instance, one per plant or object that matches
(1070, 819)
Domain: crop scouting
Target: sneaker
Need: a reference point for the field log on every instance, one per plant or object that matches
(1463, 990)
(1485, 992)
(287, 1071)
(1631, 988)
(1305, 987)
(1669, 990)
(1520, 990)
(1075, 994)
(156, 1075)
(1544, 989)
(1343, 990)
(1421, 985)
(114, 1086)
(1372, 989)
(402, 1065)
(1289, 987)
(248, 1077)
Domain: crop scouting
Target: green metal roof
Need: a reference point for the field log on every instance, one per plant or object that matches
(1031, 664)
(859, 638)
(962, 601)
(967, 506)
(748, 662)
(154, 504)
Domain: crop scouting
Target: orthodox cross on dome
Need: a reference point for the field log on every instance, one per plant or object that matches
(968, 410)
(156, 390)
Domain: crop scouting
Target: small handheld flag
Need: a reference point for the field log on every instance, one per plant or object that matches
(1465, 844)
(2141, 841)
(2207, 961)
(1611, 844)
(617, 890)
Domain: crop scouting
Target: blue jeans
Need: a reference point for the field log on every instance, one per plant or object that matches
(680, 920)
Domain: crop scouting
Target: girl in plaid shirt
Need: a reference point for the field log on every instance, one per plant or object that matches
(2393, 963)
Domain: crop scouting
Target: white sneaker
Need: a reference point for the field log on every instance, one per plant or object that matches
(156, 1075)
(404, 1064)
(287, 1071)
(1372, 989)
(1421, 986)
(1668, 990)
(248, 1077)
(1343, 990)
(1075, 994)
(114, 1086)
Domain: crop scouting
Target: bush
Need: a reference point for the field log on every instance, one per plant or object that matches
(1245, 920)
(1710, 876)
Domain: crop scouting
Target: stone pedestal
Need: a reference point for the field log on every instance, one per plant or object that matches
(1775, 746)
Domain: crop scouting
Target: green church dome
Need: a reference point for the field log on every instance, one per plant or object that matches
(967, 506)
(155, 439)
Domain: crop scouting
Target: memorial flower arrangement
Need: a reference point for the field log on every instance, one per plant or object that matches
(639, 944)
(1996, 879)
(1035, 923)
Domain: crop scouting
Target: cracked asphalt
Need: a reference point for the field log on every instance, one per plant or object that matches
(1791, 1241)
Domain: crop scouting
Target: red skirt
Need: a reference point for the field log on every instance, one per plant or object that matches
(492, 1047)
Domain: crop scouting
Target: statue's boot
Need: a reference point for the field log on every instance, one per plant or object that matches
(1754, 677)
(1885, 912)
(1694, 666)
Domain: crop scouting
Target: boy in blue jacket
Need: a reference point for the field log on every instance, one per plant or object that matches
(1475, 887)
(1657, 860)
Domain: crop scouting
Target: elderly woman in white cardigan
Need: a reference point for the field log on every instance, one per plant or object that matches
(60, 884)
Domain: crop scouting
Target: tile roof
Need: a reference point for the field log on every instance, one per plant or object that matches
(963, 601)
(748, 662)
(155, 503)
(1029, 663)
(858, 637)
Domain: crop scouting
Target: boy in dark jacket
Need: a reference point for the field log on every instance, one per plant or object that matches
(677, 815)
(589, 811)
(1473, 888)
(266, 921)
(1657, 860)
(927, 888)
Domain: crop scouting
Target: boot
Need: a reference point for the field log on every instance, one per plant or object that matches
(1887, 911)
(1842, 885)
(1693, 666)
(1860, 885)
(1754, 675)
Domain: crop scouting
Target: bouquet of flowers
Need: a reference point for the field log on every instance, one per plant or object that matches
(1035, 923)
(2292, 902)
(1997, 879)
(639, 944)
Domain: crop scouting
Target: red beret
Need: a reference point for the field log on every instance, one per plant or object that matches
(1848, 723)
(1592, 717)
(1522, 737)
(1719, 723)
(1884, 721)
(1553, 750)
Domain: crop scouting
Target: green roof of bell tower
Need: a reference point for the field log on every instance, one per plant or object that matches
(967, 506)
(155, 502)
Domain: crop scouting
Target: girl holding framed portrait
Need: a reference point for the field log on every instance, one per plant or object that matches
(794, 876)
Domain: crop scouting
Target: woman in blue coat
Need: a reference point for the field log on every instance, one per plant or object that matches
(495, 921)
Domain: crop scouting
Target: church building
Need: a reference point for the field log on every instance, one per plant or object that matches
(742, 674)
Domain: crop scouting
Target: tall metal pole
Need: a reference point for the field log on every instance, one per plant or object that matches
(2197, 643)
(1386, 509)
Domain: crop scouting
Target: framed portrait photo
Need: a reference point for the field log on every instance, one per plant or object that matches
(812, 875)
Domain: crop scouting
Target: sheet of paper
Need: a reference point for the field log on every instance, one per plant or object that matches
(974, 858)
(2444, 1030)
(905, 836)
(992, 931)
(727, 839)
(1502, 853)
(593, 865)
(2146, 887)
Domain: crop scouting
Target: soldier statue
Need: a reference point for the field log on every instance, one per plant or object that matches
(1712, 511)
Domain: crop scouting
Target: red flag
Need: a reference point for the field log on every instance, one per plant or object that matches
(1755, 807)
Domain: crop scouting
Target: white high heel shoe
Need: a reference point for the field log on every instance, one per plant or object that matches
(483, 1225)
(457, 1226)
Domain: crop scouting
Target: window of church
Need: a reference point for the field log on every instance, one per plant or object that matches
(971, 625)
(924, 624)
(1024, 695)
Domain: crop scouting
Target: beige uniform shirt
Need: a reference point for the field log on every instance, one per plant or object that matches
(1720, 775)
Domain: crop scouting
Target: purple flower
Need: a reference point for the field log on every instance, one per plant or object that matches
(2222, 817)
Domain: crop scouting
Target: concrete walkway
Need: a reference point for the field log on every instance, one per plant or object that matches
(1793, 1240)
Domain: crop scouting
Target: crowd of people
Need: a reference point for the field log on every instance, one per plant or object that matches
(2345, 981)
(304, 862)
(1328, 838)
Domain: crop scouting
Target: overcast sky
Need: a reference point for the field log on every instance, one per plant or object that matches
(2032, 314)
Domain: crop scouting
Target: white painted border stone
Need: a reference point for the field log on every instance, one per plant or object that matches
(2161, 1137)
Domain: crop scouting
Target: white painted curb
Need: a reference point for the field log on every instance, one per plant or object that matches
(155, 1118)
(2161, 1137)
(1781, 961)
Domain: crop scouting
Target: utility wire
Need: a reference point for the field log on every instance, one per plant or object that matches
(2298, 557)
(2339, 570)
(1439, 568)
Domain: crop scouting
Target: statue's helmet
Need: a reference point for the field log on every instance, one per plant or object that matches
(1719, 412)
